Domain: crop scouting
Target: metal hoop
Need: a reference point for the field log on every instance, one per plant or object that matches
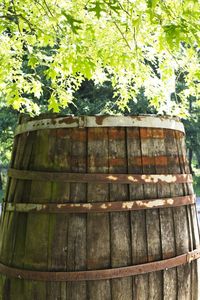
(99, 177)
(101, 274)
(60, 208)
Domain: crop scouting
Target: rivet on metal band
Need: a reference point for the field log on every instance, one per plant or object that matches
(101, 274)
(99, 178)
(100, 206)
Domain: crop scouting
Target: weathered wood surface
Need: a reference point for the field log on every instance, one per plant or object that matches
(98, 224)
(74, 242)
(181, 226)
(155, 288)
(166, 222)
(120, 222)
(137, 219)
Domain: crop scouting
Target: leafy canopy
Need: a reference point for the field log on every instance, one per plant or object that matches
(134, 44)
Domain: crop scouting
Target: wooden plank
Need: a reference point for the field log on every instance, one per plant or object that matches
(16, 229)
(76, 254)
(37, 235)
(60, 152)
(179, 219)
(3, 287)
(10, 219)
(17, 162)
(13, 157)
(22, 192)
(5, 216)
(137, 218)
(166, 220)
(152, 216)
(119, 221)
(15, 193)
(98, 224)
(193, 230)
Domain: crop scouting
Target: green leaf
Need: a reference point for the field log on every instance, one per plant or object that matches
(97, 7)
(37, 89)
(53, 104)
(114, 6)
(33, 61)
(152, 3)
(72, 22)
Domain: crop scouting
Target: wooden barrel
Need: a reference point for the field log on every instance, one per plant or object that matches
(99, 208)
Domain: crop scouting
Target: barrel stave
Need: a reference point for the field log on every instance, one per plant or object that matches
(120, 230)
(98, 224)
(74, 242)
(137, 218)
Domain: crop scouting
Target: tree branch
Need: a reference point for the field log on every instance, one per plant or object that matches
(135, 41)
(122, 34)
(17, 20)
(48, 8)
(124, 9)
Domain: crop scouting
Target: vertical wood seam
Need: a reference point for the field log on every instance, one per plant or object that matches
(174, 232)
(145, 217)
(185, 191)
(159, 221)
(129, 198)
(16, 215)
(145, 213)
(86, 191)
(190, 226)
(109, 214)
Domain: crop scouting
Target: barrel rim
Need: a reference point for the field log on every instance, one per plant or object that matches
(142, 121)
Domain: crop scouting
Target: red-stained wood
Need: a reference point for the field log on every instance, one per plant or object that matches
(119, 221)
(181, 230)
(37, 231)
(80, 241)
(137, 219)
(98, 224)
(192, 219)
(154, 251)
(166, 223)
(59, 152)
(77, 223)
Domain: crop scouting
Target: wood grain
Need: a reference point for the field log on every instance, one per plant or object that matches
(76, 242)
(98, 224)
(119, 221)
(76, 249)
(166, 226)
(137, 219)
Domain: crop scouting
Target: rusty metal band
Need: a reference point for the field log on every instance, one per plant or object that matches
(101, 121)
(101, 274)
(99, 178)
(99, 206)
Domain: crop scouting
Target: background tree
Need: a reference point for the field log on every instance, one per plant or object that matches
(8, 120)
(132, 44)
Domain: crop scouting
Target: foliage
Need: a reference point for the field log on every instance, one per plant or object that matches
(134, 45)
(196, 182)
(93, 99)
(8, 120)
(192, 126)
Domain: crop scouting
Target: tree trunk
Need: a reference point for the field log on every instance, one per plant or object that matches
(190, 155)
